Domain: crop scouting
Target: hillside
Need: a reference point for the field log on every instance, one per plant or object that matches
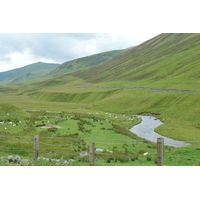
(172, 60)
(168, 61)
(6, 74)
(84, 63)
(29, 72)
(161, 76)
(9, 111)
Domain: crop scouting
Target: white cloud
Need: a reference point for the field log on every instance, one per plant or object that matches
(18, 50)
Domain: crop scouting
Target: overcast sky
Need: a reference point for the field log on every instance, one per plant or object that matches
(20, 49)
(144, 19)
(120, 24)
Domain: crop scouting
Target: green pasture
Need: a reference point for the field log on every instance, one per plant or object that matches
(81, 105)
(109, 131)
(178, 110)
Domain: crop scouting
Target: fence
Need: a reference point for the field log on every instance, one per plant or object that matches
(85, 152)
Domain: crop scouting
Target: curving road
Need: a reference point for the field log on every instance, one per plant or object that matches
(143, 88)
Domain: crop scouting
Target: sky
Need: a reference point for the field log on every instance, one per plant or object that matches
(20, 49)
(59, 31)
(112, 24)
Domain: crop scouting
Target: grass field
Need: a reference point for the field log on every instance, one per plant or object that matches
(169, 61)
(109, 131)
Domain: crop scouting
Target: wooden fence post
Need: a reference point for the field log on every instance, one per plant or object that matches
(160, 151)
(36, 149)
(91, 154)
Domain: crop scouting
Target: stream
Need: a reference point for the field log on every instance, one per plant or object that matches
(146, 130)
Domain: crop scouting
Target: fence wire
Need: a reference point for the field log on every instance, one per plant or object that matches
(80, 150)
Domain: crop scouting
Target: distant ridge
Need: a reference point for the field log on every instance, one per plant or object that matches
(6, 74)
(28, 72)
(84, 63)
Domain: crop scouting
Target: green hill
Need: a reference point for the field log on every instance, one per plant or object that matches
(6, 74)
(161, 76)
(29, 72)
(10, 112)
(84, 63)
(172, 60)
(168, 61)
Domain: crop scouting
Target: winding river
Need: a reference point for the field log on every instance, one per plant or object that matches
(146, 130)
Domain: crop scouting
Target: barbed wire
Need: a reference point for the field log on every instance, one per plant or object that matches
(16, 136)
(16, 142)
(62, 145)
(193, 146)
(67, 138)
(60, 152)
(105, 152)
(94, 139)
(116, 143)
(125, 154)
(79, 138)
(15, 150)
(182, 157)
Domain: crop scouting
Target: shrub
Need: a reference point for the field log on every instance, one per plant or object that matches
(52, 130)
(148, 158)
(134, 157)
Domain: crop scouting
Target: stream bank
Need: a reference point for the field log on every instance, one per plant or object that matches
(146, 130)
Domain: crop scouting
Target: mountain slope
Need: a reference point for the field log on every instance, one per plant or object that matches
(84, 63)
(168, 59)
(29, 72)
(6, 74)
(138, 81)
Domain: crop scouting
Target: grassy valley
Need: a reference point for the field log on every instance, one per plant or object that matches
(160, 76)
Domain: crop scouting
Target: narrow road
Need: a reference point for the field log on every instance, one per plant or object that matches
(143, 88)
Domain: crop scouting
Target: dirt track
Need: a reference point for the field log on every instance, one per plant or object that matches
(143, 88)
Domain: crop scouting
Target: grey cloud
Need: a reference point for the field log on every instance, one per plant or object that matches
(57, 46)
(60, 47)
